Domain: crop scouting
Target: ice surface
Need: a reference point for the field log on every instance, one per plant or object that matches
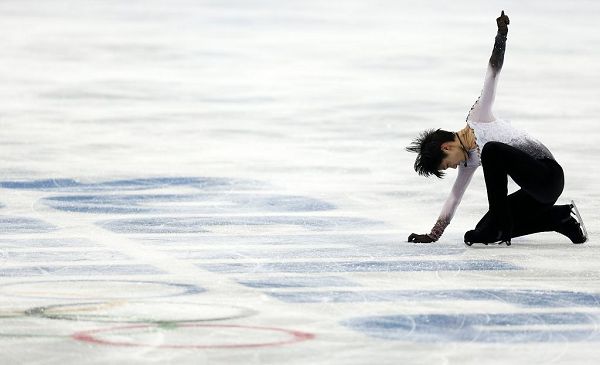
(225, 182)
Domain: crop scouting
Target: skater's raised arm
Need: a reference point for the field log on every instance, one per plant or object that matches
(482, 109)
(465, 173)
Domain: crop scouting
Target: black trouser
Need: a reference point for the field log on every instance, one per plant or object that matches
(530, 209)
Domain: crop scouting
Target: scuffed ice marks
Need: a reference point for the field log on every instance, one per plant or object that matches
(70, 185)
(191, 203)
(205, 224)
(10, 224)
(362, 266)
(16, 224)
(87, 270)
(487, 328)
(245, 201)
(533, 324)
(519, 298)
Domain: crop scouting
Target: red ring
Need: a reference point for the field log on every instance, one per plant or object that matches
(297, 336)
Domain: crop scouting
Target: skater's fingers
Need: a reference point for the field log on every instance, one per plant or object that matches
(419, 238)
(503, 19)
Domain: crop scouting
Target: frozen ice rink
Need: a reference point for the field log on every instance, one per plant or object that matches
(225, 182)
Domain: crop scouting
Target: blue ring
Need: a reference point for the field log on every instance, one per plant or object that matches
(187, 289)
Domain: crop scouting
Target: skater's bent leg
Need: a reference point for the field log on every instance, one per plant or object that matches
(541, 179)
(527, 211)
(496, 181)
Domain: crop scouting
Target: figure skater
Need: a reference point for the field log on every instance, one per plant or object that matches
(503, 151)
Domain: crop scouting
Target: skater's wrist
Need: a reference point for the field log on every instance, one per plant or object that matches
(438, 229)
(433, 239)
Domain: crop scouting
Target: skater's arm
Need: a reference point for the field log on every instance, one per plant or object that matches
(482, 109)
(463, 179)
(458, 190)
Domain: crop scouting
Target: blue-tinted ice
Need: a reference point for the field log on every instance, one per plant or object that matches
(225, 182)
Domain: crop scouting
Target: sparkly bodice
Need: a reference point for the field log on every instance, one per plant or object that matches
(502, 131)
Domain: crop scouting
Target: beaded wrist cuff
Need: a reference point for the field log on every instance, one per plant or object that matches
(438, 229)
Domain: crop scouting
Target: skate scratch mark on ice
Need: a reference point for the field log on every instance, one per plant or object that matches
(520, 298)
(361, 266)
(24, 225)
(486, 328)
(80, 270)
(98, 289)
(204, 224)
(70, 185)
(298, 282)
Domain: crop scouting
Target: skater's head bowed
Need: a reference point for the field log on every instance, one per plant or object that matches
(428, 147)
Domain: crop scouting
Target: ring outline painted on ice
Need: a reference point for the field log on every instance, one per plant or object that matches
(246, 312)
(187, 289)
(297, 336)
(41, 313)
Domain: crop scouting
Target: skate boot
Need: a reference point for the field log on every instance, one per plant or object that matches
(573, 226)
(487, 235)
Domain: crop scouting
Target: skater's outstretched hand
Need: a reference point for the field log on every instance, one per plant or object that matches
(503, 23)
(419, 238)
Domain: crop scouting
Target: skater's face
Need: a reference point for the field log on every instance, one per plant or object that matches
(454, 156)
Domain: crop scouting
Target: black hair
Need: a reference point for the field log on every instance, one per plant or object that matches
(428, 147)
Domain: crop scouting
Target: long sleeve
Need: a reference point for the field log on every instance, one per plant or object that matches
(482, 109)
(458, 190)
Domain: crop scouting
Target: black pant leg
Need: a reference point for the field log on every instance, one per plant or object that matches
(529, 216)
(530, 209)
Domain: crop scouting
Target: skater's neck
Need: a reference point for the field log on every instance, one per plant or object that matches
(467, 137)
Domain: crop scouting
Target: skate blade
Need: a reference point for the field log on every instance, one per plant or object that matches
(580, 220)
(508, 243)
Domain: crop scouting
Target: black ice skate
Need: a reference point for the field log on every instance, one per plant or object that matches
(487, 236)
(573, 226)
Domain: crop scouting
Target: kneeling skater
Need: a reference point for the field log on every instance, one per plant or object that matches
(503, 151)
